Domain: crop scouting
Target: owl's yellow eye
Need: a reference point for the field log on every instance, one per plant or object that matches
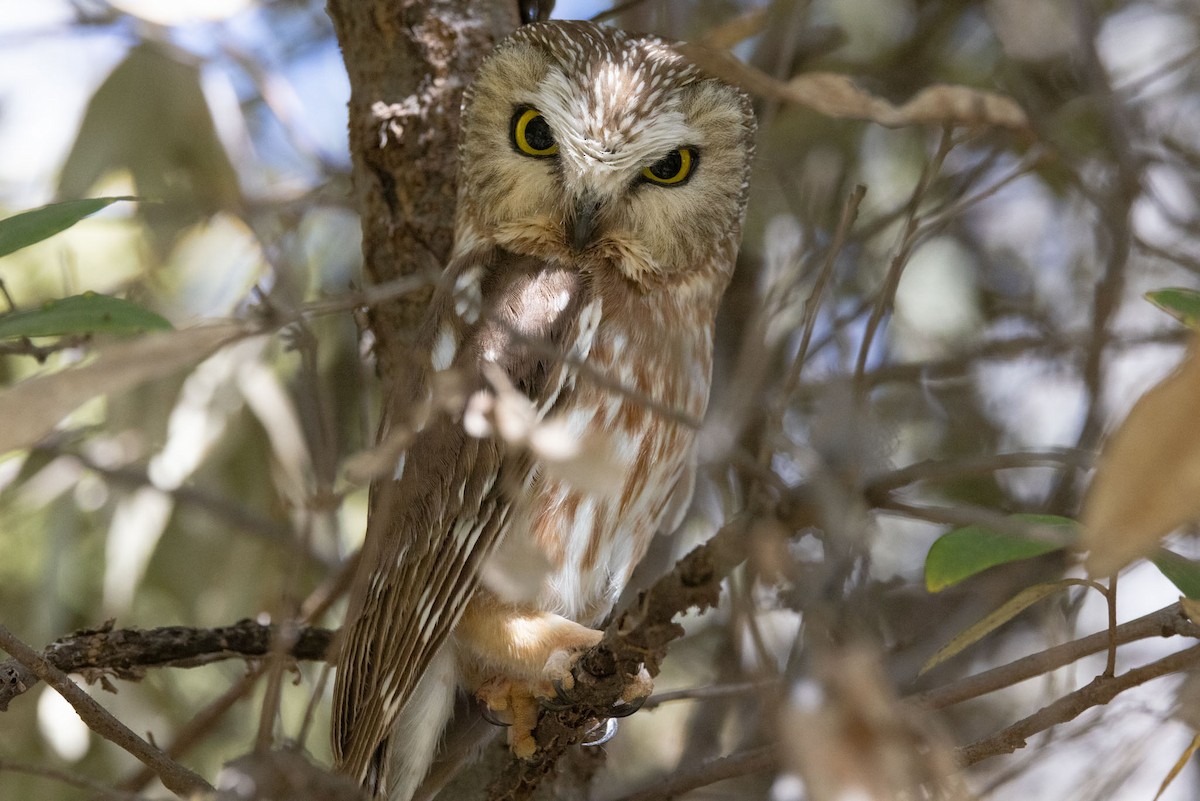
(531, 134)
(673, 168)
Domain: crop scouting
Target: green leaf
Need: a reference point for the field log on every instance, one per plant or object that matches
(1182, 304)
(28, 227)
(1184, 573)
(88, 313)
(1013, 607)
(963, 552)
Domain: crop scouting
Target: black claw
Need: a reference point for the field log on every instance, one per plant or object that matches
(607, 729)
(490, 716)
(623, 709)
(561, 700)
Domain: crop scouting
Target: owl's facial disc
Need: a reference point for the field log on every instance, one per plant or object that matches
(605, 150)
(598, 169)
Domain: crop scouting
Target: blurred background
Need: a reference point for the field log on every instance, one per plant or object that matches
(987, 300)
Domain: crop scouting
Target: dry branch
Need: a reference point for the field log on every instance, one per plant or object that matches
(1166, 622)
(755, 760)
(1098, 692)
(127, 653)
(174, 776)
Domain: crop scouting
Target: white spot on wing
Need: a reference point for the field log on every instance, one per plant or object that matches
(444, 349)
(468, 297)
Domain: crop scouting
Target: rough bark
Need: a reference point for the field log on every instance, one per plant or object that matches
(408, 62)
(128, 653)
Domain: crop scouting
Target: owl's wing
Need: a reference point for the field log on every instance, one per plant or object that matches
(433, 529)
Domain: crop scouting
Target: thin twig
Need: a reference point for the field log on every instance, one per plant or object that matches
(310, 710)
(1114, 227)
(756, 760)
(617, 10)
(812, 305)
(204, 721)
(282, 641)
(955, 468)
(964, 515)
(709, 691)
(102, 792)
(904, 249)
(196, 729)
(936, 220)
(998, 350)
(1110, 598)
(1098, 692)
(1167, 622)
(8, 299)
(25, 346)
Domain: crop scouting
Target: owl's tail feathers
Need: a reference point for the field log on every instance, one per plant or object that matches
(404, 759)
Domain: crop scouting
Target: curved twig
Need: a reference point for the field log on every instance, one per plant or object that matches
(174, 776)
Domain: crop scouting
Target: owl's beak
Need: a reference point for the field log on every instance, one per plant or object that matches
(583, 222)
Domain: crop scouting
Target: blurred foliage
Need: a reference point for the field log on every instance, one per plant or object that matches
(986, 302)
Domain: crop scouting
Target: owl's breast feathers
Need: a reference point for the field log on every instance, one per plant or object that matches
(583, 351)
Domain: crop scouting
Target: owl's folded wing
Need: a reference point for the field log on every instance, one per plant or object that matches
(433, 529)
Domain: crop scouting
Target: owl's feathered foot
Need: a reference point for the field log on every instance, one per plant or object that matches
(511, 703)
(516, 704)
(603, 731)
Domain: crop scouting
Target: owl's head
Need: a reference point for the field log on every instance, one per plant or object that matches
(589, 144)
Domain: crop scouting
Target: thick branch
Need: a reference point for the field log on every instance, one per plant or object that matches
(126, 653)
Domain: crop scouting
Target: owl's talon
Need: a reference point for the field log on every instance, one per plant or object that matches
(561, 699)
(609, 726)
(623, 709)
(491, 717)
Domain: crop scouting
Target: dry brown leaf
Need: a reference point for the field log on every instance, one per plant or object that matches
(1179, 765)
(837, 95)
(1147, 480)
(32, 408)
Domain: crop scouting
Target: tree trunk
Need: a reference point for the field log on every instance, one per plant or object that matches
(408, 63)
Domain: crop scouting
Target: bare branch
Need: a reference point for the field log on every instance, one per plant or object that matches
(174, 776)
(101, 793)
(1099, 692)
(711, 691)
(198, 727)
(756, 760)
(127, 653)
(1167, 622)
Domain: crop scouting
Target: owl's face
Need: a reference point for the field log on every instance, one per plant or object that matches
(589, 144)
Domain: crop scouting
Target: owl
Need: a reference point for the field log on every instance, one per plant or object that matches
(602, 183)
